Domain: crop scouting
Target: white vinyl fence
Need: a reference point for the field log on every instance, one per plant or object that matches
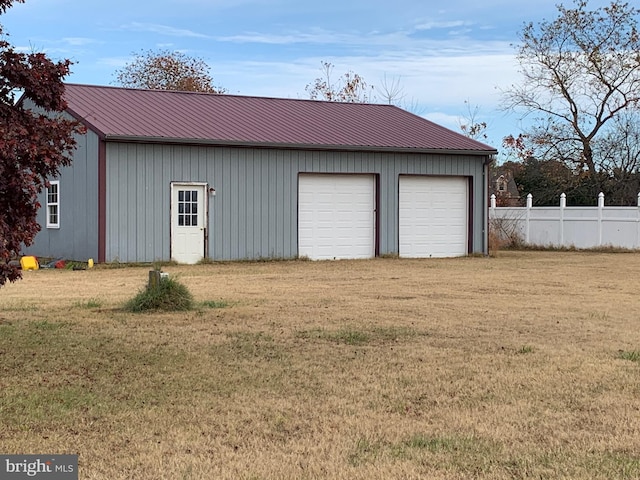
(579, 227)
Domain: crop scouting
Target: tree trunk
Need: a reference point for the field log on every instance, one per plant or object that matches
(587, 157)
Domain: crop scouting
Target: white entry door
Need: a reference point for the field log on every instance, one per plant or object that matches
(188, 225)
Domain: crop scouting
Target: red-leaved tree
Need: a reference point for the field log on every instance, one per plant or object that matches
(33, 145)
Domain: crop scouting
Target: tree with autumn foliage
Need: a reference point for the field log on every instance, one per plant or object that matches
(580, 73)
(351, 87)
(167, 70)
(33, 145)
(348, 88)
(470, 125)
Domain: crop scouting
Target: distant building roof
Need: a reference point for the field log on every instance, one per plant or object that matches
(168, 116)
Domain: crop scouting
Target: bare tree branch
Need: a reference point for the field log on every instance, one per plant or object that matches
(580, 71)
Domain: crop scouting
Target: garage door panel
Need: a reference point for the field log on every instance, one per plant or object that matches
(336, 216)
(433, 216)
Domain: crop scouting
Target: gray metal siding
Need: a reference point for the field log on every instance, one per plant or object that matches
(77, 237)
(254, 212)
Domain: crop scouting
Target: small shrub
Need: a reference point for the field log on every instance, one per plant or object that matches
(168, 295)
(495, 242)
(504, 233)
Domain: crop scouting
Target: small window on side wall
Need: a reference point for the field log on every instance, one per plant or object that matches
(53, 204)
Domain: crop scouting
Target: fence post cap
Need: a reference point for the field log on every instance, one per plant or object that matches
(563, 195)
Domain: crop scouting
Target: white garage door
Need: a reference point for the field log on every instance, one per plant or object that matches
(433, 217)
(336, 216)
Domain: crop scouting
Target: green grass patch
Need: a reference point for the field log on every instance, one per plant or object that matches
(169, 295)
(48, 404)
(46, 325)
(438, 444)
(22, 307)
(614, 464)
(352, 336)
(459, 452)
(250, 346)
(348, 336)
(523, 350)
(54, 375)
(393, 334)
(366, 451)
(632, 355)
(214, 304)
(91, 303)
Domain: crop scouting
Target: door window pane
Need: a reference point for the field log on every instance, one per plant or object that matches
(187, 208)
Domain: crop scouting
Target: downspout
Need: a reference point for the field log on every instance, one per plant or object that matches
(485, 224)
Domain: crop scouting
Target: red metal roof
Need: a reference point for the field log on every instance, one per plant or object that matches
(157, 115)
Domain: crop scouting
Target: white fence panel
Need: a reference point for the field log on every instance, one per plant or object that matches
(580, 227)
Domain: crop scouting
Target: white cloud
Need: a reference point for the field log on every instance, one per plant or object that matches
(113, 62)
(162, 30)
(446, 120)
(78, 41)
(374, 42)
(311, 36)
(443, 24)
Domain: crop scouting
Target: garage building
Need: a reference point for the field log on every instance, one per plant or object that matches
(183, 176)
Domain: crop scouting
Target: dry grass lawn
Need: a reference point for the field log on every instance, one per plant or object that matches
(526, 365)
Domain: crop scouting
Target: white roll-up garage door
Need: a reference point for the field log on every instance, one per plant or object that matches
(433, 216)
(336, 216)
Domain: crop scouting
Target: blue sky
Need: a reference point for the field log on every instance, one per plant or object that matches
(442, 53)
